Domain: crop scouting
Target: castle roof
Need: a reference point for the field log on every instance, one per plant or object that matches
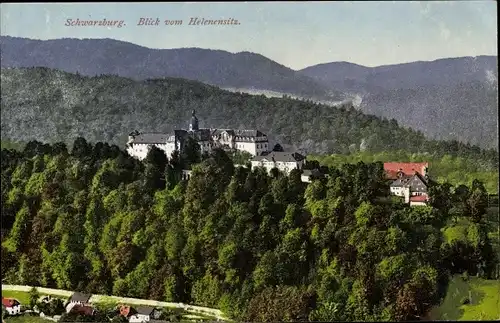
(151, 138)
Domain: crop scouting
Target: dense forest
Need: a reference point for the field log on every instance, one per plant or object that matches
(259, 247)
(52, 106)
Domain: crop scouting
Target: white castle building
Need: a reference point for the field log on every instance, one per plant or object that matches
(283, 161)
(252, 141)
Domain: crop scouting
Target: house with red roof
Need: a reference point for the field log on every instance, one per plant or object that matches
(12, 306)
(409, 180)
(395, 170)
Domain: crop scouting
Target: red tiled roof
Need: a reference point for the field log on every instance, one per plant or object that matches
(408, 169)
(418, 198)
(9, 302)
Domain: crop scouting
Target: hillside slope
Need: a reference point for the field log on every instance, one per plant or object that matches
(455, 98)
(50, 105)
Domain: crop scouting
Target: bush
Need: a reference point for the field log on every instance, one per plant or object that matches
(33, 296)
(465, 301)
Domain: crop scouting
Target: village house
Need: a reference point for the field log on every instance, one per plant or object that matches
(77, 298)
(252, 141)
(409, 180)
(283, 161)
(12, 306)
(310, 174)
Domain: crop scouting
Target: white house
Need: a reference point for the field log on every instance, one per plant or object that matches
(252, 141)
(77, 298)
(409, 180)
(12, 306)
(284, 161)
(309, 174)
(143, 314)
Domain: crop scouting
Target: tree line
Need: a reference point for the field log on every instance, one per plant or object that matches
(258, 246)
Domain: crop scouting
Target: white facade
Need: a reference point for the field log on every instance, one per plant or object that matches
(252, 141)
(138, 318)
(397, 190)
(406, 194)
(254, 146)
(285, 167)
(13, 310)
(283, 161)
(305, 178)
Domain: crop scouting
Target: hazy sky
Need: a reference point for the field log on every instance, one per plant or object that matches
(295, 34)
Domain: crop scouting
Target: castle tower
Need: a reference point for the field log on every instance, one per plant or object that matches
(193, 125)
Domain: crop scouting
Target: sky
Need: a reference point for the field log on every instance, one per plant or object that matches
(295, 34)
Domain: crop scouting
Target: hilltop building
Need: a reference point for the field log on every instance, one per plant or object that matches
(409, 180)
(252, 141)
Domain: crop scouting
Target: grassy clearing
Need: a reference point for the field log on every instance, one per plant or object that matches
(484, 296)
(25, 319)
(24, 297)
(8, 144)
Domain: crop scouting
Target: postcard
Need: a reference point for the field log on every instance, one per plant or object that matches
(250, 161)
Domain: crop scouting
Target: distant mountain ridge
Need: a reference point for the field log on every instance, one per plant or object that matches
(450, 98)
(92, 57)
(440, 72)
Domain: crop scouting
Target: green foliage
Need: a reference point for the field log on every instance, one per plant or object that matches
(455, 169)
(33, 296)
(54, 307)
(483, 296)
(260, 247)
(240, 157)
(7, 144)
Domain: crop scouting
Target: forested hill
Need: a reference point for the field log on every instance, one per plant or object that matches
(260, 248)
(50, 105)
(109, 56)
